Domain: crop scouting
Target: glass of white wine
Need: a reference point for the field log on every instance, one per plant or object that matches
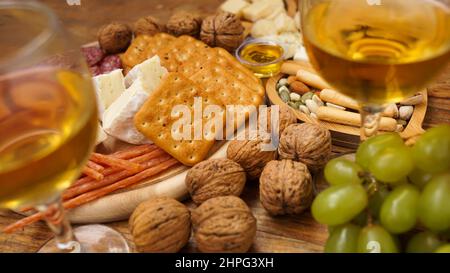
(48, 123)
(377, 51)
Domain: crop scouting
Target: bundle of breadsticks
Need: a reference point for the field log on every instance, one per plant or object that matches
(105, 174)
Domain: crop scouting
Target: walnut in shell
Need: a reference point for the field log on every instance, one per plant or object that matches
(251, 155)
(114, 38)
(147, 26)
(224, 30)
(285, 187)
(224, 224)
(286, 117)
(215, 177)
(307, 143)
(160, 225)
(183, 23)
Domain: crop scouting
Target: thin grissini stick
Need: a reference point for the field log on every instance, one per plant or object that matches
(312, 79)
(135, 151)
(93, 195)
(335, 115)
(97, 167)
(115, 162)
(329, 95)
(92, 173)
(140, 159)
(74, 191)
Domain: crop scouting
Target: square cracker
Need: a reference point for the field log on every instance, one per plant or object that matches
(135, 54)
(160, 46)
(155, 121)
(217, 57)
(226, 87)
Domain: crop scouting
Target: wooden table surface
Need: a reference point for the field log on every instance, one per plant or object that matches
(280, 234)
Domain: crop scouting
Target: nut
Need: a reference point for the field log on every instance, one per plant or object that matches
(160, 225)
(307, 143)
(224, 224)
(224, 30)
(114, 38)
(295, 96)
(285, 187)
(299, 88)
(147, 26)
(286, 117)
(183, 23)
(391, 110)
(312, 106)
(250, 155)
(405, 112)
(215, 177)
(291, 79)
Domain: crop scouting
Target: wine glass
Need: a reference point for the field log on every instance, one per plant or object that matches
(376, 51)
(48, 123)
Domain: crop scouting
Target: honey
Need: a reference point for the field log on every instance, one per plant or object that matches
(264, 58)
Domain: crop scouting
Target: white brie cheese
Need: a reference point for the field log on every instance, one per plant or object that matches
(108, 88)
(149, 72)
(118, 119)
(101, 135)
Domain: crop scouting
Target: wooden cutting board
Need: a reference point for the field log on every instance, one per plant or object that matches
(120, 205)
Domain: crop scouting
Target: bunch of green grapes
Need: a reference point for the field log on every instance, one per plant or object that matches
(374, 203)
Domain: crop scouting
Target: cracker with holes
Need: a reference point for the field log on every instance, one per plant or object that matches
(155, 120)
(135, 53)
(226, 87)
(161, 46)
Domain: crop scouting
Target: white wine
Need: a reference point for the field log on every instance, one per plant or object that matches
(48, 123)
(378, 53)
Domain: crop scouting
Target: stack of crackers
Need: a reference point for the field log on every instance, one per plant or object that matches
(196, 70)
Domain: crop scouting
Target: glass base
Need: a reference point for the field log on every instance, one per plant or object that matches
(91, 239)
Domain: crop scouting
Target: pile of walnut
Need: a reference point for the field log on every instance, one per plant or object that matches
(222, 222)
(222, 29)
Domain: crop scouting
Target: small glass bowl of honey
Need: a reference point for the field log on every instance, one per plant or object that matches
(263, 57)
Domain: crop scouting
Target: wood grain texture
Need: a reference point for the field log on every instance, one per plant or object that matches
(281, 234)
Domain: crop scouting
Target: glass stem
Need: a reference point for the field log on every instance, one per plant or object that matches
(370, 120)
(54, 216)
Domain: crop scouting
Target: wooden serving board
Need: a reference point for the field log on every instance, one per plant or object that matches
(413, 129)
(120, 205)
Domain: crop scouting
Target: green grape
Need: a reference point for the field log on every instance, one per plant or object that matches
(375, 239)
(342, 171)
(377, 199)
(339, 204)
(392, 164)
(419, 177)
(423, 242)
(398, 211)
(369, 148)
(343, 239)
(434, 203)
(443, 249)
(431, 152)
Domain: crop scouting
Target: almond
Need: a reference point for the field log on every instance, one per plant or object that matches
(291, 79)
(299, 87)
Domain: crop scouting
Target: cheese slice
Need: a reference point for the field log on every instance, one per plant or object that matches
(108, 88)
(118, 118)
(284, 23)
(149, 72)
(258, 10)
(234, 6)
(101, 135)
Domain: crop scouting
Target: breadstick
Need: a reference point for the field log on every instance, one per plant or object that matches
(95, 166)
(329, 95)
(74, 191)
(140, 159)
(93, 195)
(115, 162)
(292, 67)
(335, 115)
(92, 173)
(312, 79)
